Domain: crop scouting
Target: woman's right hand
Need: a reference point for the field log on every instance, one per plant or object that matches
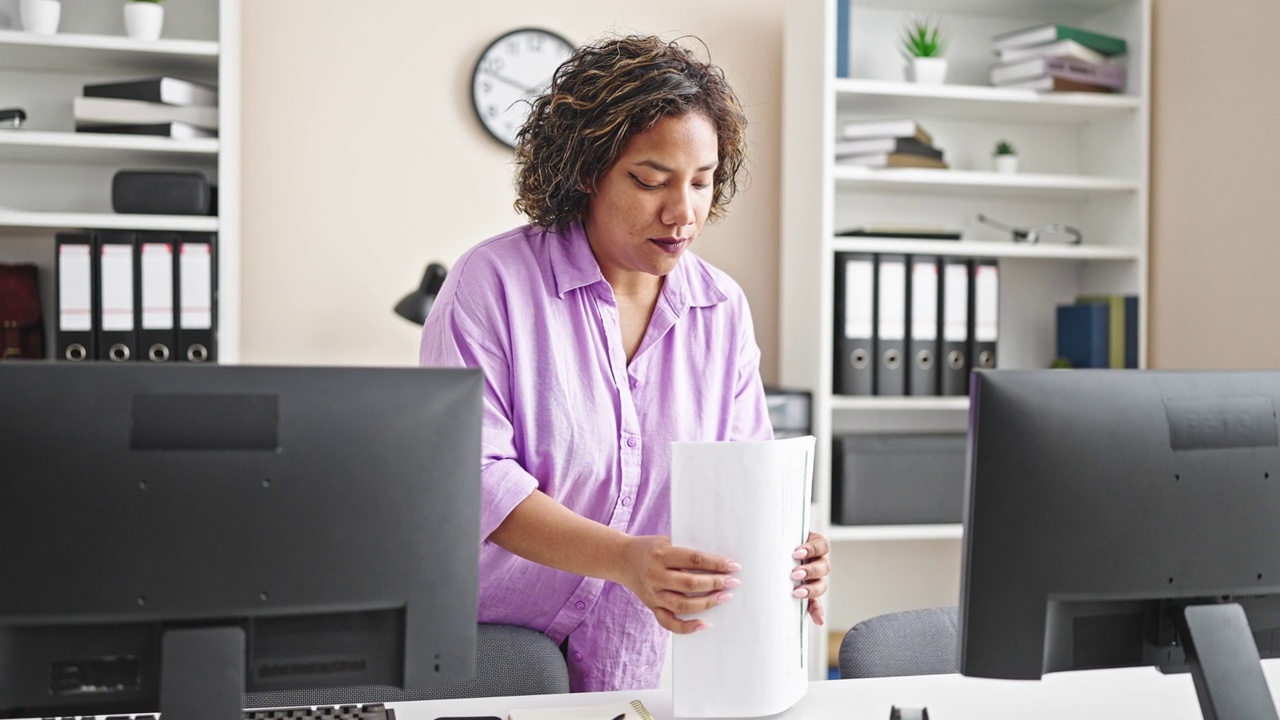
(674, 581)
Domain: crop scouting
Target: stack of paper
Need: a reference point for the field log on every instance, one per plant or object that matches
(747, 501)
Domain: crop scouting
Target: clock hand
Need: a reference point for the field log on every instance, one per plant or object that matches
(513, 83)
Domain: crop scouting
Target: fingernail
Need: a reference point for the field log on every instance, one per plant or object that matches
(800, 554)
(724, 598)
(800, 592)
(703, 626)
(797, 575)
(732, 582)
(733, 566)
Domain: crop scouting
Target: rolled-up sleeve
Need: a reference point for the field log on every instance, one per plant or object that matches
(451, 339)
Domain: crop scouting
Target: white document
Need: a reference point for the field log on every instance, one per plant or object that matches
(748, 501)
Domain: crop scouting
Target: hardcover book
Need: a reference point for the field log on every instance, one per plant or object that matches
(167, 90)
(1051, 32)
(1100, 74)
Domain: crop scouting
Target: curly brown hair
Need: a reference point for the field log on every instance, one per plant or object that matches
(600, 98)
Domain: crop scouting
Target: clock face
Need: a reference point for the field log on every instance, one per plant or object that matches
(511, 72)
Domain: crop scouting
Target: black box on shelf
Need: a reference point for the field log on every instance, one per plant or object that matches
(790, 412)
(898, 479)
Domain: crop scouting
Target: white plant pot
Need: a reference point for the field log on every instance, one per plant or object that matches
(927, 70)
(143, 20)
(1006, 163)
(40, 16)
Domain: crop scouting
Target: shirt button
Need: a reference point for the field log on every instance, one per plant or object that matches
(626, 501)
(631, 442)
(577, 656)
(634, 383)
(580, 605)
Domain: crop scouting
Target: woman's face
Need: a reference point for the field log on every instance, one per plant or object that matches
(651, 205)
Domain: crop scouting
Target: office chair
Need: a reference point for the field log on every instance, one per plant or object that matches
(510, 660)
(913, 642)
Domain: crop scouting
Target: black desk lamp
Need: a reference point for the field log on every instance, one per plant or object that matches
(415, 306)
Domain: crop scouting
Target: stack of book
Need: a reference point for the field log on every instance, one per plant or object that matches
(164, 106)
(887, 143)
(1058, 57)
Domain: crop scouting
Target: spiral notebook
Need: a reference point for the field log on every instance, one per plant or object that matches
(618, 710)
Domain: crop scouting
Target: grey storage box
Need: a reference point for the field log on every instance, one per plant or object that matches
(901, 479)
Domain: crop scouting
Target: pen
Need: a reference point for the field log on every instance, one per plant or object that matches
(621, 716)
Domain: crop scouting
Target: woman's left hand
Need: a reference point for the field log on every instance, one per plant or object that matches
(811, 576)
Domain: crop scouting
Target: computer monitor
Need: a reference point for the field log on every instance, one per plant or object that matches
(174, 536)
(1123, 518)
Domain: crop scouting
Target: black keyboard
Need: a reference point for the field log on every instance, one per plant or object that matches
(375, 711)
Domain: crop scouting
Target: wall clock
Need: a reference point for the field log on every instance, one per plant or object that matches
(511, 72)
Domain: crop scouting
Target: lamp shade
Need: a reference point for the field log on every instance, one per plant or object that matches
(415, 306)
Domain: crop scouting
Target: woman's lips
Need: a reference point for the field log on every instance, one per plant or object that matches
(670, 245)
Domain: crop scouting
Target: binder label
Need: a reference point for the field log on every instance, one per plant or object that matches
(924, 301)
(157, 286)
(117, 287)
(859, 281)
(985, 303)
(196, 268)
(75, 302)
(893, 300)
(956, 322)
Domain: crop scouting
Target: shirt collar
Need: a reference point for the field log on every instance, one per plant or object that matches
(690, 284)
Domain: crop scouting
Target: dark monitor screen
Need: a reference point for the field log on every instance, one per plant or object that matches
(1123, 518)
(185, 534)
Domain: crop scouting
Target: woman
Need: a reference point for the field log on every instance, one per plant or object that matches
(602, 340)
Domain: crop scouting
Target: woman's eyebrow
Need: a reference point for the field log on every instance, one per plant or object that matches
(663, 168)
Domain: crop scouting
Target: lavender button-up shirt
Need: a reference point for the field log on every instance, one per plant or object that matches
(565, 413)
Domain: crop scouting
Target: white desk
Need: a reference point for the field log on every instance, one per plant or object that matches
(1128, 694)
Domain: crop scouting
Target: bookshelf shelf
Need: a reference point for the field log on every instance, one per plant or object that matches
(106, 221)
(107, 53)
(977, 102)
(882, 533)
(37, 146)
(1039, 251)
(847, 403)
(977, 182)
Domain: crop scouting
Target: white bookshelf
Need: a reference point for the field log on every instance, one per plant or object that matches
(1085, 163)
(57, 180)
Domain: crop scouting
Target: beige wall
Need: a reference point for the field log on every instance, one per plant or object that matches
(363, 160)
(1215, 251)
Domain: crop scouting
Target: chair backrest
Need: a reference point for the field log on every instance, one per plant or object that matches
(912, 642)
(510, 660)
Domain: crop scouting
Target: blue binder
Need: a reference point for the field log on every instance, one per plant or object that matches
(1083, 335)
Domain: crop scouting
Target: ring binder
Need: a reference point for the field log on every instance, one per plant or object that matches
(891, 324)
(155, 296)
(986, 313)
(954, 295)
(196, 287)
(922, 326)
(114, 253)
(77, 298)
(854, 321)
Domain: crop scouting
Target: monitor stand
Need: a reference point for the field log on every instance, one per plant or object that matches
(1224, 662)
(202, 673)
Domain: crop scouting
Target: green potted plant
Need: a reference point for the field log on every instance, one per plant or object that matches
(143, 19)
(1005, 157)
(923, 46)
